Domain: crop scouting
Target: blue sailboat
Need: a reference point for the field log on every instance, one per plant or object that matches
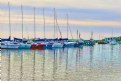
(22, 44)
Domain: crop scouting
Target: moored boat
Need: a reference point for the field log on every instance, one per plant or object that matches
(57, 45)
(89, 43)
(113, 42)
(9, 45)
(69, 44)
(24, 46)
(49, 45)
(37, 46)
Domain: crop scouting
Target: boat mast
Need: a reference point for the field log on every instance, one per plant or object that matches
(44, 21)
(34, 26)
(54, 23)
(67, 25)
(112, 33)
(57, 28)
(91, 36)
(9, 19)
(22, 20)
(99, 37)
(77, 34)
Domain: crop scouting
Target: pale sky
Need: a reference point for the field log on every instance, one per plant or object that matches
(99, 16)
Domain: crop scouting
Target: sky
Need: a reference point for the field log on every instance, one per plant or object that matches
(99, 16)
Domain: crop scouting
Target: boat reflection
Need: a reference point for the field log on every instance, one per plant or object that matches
(68, 64)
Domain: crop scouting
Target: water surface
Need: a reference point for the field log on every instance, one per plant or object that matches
(98, 63)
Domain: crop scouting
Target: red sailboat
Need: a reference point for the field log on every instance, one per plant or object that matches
(36, 45)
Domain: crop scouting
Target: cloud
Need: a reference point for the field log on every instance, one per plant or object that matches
(16, 19)
(50, 34)
(83, 14)
(115, 4)
(74, 13)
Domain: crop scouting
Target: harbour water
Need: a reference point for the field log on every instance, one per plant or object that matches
(97, 63)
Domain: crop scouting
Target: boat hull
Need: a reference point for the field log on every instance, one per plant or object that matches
(38, 46)
(57, 45)
(9, 46)
(79, 44)
(24, 46)
(49, 45)
(69, 44)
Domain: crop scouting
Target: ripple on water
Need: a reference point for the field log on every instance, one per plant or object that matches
(98, 63)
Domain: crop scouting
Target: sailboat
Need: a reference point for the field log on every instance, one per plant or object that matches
(69, 43)
(112, 40)
(9, 44)
(90, 42)
(79, 42)
(36, 45)
(56, 44)
(23, 45)
(47, 43)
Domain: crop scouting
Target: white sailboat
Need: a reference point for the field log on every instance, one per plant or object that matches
(56, 44)
(9, 44)
(69, 43)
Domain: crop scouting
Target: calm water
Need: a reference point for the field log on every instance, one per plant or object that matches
(98, 63)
